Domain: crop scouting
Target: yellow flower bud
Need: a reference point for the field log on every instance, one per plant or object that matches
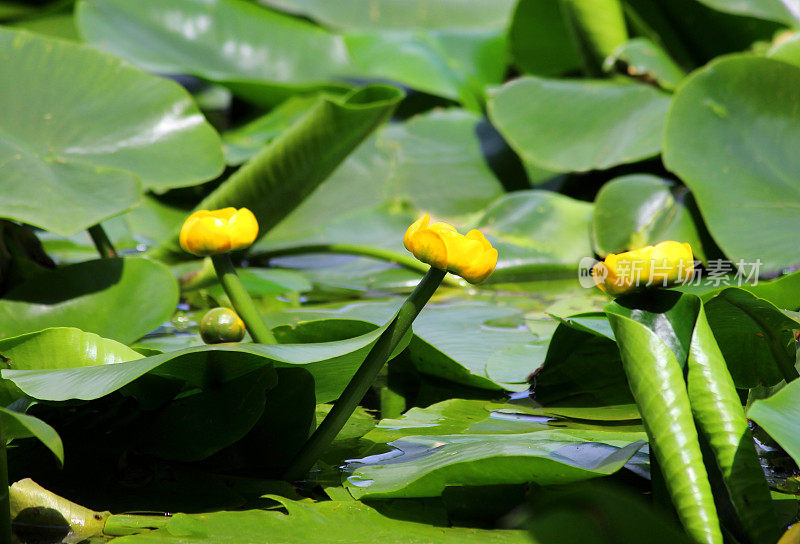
(472, 256)
(219, 231)
(661, 265)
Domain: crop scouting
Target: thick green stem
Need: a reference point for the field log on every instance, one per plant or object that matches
(362, 380)
(406, 261)
(126, 524)
(241, 300)
(5, 502)
(101, 242)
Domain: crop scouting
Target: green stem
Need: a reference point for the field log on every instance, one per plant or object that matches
(5, 502)
(127, 524)
(101, 242)
(362, 380)
(406, 261)
(241, 300)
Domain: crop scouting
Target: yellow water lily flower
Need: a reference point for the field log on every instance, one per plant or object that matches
(218, 231)
(661, 265)
(472, 256)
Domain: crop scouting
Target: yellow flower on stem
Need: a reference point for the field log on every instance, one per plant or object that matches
(662, 265)
(472, 256)
(219, 231)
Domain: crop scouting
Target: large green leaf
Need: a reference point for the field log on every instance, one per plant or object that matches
(219, 40)
(122, 299)
(640, 210)
(782, 11)
(229, 46)
(755, 337)
(83, 132)
(63, 347)
(452, 341)
(17, 425)
(541, 40)
(331, 521)
(730, 141)
(282, 175)
(653, 368)
(662, 336)
(403, 14)
(196, 425)
(468, 443)
(332, 364)
(432, 163)
(571, 125)
(779, 415)
(462, 416)
(584, 345)
(693, 33)
(718, 412)
(536, 232)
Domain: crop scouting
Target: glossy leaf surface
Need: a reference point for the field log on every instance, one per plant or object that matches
(91, 137)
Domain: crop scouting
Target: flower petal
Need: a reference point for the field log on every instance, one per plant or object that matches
(242, 228)
(207, 236)
(421, 223)
(430, 248)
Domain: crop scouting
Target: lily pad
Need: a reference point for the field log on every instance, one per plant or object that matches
(640, 210)
(730, 142)
(91, 131)
(94, 296)
(571, 125)
(347, 521)
(467, 443)
(332, 364)
(224, 42)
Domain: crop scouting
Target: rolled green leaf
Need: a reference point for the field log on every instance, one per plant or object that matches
(283, 174)
(657, 384)
(720, 417)
(598, 27)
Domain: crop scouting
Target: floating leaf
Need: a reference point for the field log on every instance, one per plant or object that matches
(403, 14)
(570, 125)
(91, 138)
(332, 364)
(347, 521)
(224, 42)
(730, 141)
(122, 299)
(510, 446)
(639, 210)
